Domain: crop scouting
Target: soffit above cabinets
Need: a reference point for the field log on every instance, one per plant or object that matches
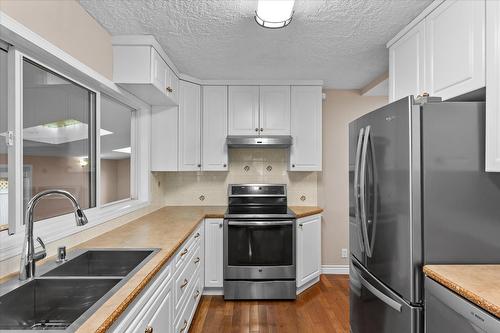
(340, 42)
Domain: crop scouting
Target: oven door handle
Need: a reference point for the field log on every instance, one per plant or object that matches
(259, 223)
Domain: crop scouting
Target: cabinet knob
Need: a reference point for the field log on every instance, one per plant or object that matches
(293, 165)
(169, 89)
(224, 165)
(256, 129)
(199, 165)
(148, 329)
(262, 129)
(220, 225)
(301, 225)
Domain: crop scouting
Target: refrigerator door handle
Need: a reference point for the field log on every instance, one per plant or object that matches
(363, 192)
(356, 189)
(371, 240)
(381, 296)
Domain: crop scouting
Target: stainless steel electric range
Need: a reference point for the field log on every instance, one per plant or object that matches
(259, 243)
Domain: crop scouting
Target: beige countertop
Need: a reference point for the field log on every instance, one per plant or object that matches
(480, 284)
(166, 229)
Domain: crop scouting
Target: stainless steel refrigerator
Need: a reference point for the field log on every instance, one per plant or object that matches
(418, 194)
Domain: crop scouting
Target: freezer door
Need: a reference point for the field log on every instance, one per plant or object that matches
(461, 201)
(388, 178)
(375, 308)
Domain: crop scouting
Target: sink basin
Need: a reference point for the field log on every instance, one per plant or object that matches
(51, 304)
(67, 294)
(101, 263)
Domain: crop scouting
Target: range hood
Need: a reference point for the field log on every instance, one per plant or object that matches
(271, 141)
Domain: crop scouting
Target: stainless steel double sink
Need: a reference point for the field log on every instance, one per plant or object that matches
(65, 295)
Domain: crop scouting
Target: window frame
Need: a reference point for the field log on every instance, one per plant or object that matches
(58, 227)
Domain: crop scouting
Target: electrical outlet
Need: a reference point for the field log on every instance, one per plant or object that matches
(344, 253)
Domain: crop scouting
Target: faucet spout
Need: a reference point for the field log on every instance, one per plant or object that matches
(28, 256)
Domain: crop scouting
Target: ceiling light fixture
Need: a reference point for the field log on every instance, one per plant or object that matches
(274, 14)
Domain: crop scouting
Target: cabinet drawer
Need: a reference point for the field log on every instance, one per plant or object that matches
(187, 249)
(184, 320)
(184, 280)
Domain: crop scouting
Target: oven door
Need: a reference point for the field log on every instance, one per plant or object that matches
(259, 250)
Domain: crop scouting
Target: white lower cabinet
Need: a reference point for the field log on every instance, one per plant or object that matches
(308, 249)
(214, 253)
(169, 302)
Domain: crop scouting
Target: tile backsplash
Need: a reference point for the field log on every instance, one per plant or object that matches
(245, 166)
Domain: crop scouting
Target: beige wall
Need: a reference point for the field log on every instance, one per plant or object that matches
(340, 107)
(185, 188)
(115, 180)
(68, 26)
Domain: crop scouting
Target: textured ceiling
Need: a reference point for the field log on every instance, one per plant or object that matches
(339, 41)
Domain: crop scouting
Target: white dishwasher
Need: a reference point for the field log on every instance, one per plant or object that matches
(446, 312)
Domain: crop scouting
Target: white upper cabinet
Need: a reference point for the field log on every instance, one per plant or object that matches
(455, 48)
(214, 150)
(308, 249)
(406, 59)
(274, 115)
(306, 128)
(443, 54)
(189, 127)
(493, 86)
(164, 138)
(141, 70)
(243, 110)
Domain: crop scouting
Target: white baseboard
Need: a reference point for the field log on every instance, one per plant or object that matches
(335, 269)
(213, 291)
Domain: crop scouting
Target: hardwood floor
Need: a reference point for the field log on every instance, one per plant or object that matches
(322, 308)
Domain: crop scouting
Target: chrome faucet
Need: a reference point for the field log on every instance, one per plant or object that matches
(29, 257)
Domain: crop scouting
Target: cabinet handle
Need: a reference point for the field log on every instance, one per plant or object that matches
(184, 283)
(169, 89)
(184, 327)
(197, 235)
(256, 129)
(197, 260)
(148, 329)
(197, 294)
(183, 253)
(262, 129)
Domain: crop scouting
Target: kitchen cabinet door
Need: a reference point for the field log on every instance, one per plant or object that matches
(243, 110)
(308, 249)
(455, 48)
(189, 127)
(213, 253)
(274, 106)
(406, 64)
(163, 316)
(493, 83)
(214, 150)
(159, 72)
(306, 129)
(164, 138)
